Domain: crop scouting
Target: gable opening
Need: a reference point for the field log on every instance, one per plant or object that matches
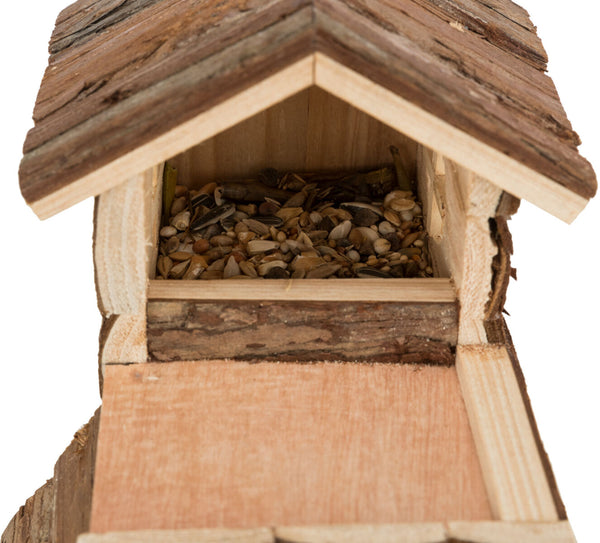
(308, 188)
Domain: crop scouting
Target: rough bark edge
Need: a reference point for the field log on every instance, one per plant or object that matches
(46, 517)
(187, 326)
(501, 265)
(33, 522)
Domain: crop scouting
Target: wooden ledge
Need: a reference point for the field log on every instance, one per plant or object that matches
(317, 290)
(433, 532)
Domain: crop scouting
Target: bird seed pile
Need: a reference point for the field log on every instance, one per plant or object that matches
(294, 225)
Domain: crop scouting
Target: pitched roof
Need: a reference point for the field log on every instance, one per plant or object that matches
(132, 82)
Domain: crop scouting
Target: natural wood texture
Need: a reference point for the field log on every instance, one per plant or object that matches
(511, 532)
(216, 535)
(123, 340)
(125, 231)
(515, 477)
(502, 269)
(129, 85)
(74, 482)
(462, 245)
(302, 331)
(33, 522)
(324, 290)
(432, 532)
(505, 172)
(479, 252)
(311, 131)
(60, 510)
(215, 444)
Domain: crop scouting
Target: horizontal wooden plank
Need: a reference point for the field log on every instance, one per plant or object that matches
(511, 532)
(284, 331)
(214, 444)
(324, 290)
(431, 532)
(215, 535)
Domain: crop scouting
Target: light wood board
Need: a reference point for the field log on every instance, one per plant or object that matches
(324, 290)
(225, 444)
(515, 477)
(433, 532)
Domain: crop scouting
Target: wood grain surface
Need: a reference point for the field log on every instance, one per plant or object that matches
(518, 485)
(237, 445)
(312, 131)
(60, 510)
(302, 331)
(431, 532)
(123, 74)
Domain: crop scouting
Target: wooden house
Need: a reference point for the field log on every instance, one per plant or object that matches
(313, 409)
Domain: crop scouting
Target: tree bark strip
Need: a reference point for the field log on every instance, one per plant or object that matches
(302, 332)
(60, 510)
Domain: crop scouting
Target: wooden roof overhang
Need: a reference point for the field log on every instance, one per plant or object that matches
(131, 83)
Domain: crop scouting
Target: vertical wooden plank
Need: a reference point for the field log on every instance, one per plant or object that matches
(515, 479)
(73, 484)
(124, 235)
(479, 251)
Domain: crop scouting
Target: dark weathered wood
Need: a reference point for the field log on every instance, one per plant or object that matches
(33, 522)
(60, 510)
(302, 331)
(73, 484)
(137, 116)
(124, 73)
(442, 69)
(501, 265)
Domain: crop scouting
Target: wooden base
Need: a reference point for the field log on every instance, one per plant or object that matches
(232, 444)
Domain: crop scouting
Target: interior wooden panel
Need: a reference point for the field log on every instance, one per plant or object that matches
(311, 131)
(238, 445)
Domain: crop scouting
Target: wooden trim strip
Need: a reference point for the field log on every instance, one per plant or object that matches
(218, 535)
(435, 133)
(325, 290)
(431, 532)
(268, 92)
(511, 532)
(517, 486)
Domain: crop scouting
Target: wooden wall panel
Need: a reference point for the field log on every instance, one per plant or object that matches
(311, 131)
(302, 331)
(232, 444)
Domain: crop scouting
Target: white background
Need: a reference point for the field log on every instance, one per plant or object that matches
(49, 322)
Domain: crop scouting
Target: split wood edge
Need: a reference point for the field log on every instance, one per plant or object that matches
(346, 84)
(458, 206)
(516, 481)
(434, 532)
